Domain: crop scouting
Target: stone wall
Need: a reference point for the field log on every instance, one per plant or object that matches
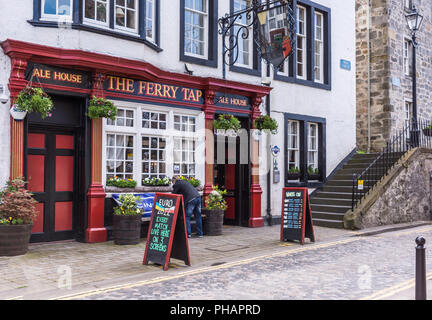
(372, 65)
(403, 196)
(389, 86)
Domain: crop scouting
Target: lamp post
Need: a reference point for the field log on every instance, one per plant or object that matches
(414, 20)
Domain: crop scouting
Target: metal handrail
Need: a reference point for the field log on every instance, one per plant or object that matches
(411, 136)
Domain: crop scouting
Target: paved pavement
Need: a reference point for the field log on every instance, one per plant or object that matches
(105, 271)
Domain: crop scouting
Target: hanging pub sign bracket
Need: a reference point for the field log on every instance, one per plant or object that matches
(272, 25)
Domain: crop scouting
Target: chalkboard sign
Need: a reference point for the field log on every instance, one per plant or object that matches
(167, 236)
(296, 217)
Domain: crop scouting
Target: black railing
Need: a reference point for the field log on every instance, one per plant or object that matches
(412, 136)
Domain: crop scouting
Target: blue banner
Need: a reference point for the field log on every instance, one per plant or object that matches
(146, 202)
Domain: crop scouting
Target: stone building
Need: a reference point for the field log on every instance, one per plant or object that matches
(384, 69)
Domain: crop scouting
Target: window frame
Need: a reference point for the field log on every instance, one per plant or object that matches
(153, 38)
(79, 22)
(205, 15)
(321, 45)
(289, 74)
(304, 122)
(303, 37)
(407, 57)
(138, 132)
(95, 22)
(56, 17)
(211, 54)
(138, 18)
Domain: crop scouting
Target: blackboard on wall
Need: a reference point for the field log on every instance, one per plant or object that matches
(296, 217)
(167, 236)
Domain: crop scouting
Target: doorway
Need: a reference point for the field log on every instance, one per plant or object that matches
(54, 169)
(233, 174)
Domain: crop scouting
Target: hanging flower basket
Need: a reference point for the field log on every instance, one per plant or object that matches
(34, 100)
(102, 108)
(266, 123)
(226, 123)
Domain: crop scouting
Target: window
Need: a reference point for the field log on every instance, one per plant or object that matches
(154, 120)
(96, 11)
(198, 32)
(135, 20)
(125, 118)
(319, 58)
(293, 146)
(153, 157)
(150, 20)
(245, 46)
(120, 156)
(313, 146)
(301, 43)
(57, 9)
(145, 143)
(305, 140)
(196, 28)
(184, 123)
(126, 15)
(407, 57)
(184, 157)
(407, 113)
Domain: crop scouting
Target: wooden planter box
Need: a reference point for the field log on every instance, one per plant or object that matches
(212, 224)
(126, 229)
(14, 239)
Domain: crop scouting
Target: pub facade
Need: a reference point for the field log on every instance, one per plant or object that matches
(160, 63)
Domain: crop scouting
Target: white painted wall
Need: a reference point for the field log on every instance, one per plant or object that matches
(337, 105)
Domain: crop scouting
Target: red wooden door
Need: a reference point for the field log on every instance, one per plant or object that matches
(51, 162)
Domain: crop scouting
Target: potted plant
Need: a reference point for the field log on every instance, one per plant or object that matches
(34, 100)
(214, 211)
(17, 212)
(293, 173)
(265, 122)
(101, 108)
(225, 123)
(313, 173)
(127, 220)
(427, 131)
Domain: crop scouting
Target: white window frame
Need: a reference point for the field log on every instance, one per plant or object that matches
(292, 148)
(314, 149)
(57, 17)
(301, 37)
(94, 21)
(205, 27)
(319, 43)
(150, 120)
(188, 151)
(153, 20)
(138, 132)
(249, 40)
(125, 28)
(158, 174)
(408, 109)
(407, 56)
(125, 134)
(115, 124)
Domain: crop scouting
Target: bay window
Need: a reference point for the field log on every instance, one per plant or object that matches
(144, 142)
(96, 12)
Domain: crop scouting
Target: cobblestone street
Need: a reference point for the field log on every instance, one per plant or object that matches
(353, 268)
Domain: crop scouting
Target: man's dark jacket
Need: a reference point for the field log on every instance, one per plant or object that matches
(186, 189)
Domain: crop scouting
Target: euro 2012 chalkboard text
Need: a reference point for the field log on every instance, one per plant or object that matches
(167, 236)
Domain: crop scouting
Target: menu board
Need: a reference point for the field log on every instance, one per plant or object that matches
(296, 217)
(166, 236)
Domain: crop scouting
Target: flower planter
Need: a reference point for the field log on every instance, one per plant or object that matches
(313, 176)
(212, 224)
(126, 229)
(16, 113)
(14, 239)
(293, 176)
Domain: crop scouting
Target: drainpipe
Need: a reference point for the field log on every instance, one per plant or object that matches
(269, 215)
(368, 76)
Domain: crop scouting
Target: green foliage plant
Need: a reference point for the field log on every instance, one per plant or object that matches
(34, 100)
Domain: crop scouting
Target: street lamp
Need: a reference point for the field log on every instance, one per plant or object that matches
(414, 20)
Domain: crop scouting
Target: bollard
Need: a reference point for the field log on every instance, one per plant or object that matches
(420, 282)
